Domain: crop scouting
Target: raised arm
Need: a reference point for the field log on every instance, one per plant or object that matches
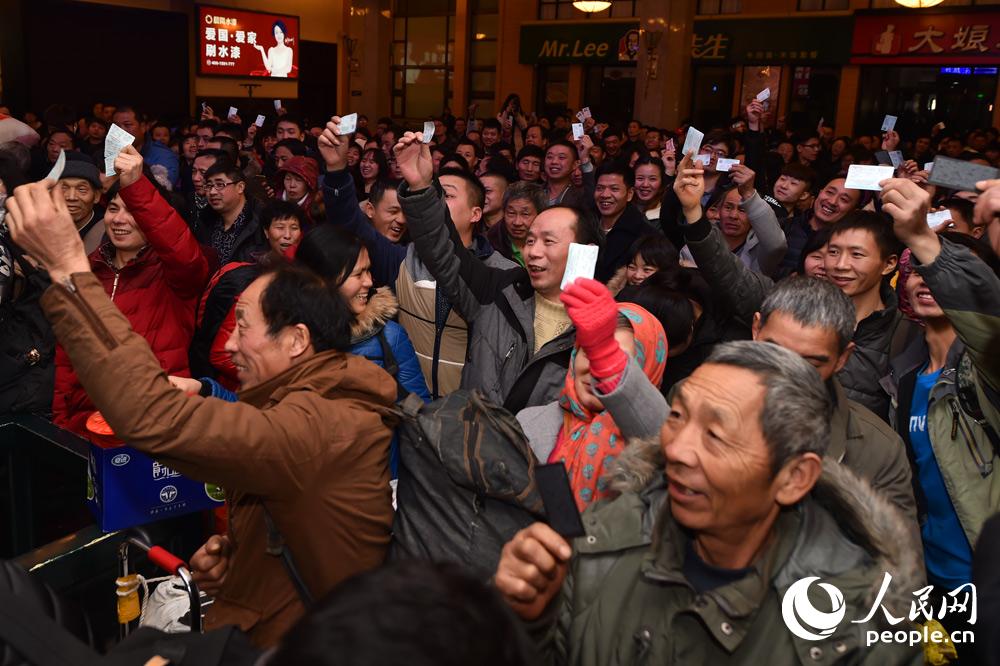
(342, 207)
(772, 246)
(466, 282)
(963, 285)
(755, 148)
(204, 438)
(587, 171)
(637, 407)
(738, 289)
(184, 265)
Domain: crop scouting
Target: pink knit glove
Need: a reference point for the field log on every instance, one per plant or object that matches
(595, 314)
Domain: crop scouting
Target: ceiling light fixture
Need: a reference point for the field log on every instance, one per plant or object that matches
(594, 6)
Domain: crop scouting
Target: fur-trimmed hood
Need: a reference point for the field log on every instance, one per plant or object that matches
(864, 516)
(382, 307)
(618, 281)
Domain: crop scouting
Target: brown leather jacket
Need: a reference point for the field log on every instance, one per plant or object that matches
(312, 442)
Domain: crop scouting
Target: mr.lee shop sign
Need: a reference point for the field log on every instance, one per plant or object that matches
(605, 42)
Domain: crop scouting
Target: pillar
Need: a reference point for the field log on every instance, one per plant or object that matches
(847, 100)
(666, 100)
(460, 58)
(512, 76)
(575, 88)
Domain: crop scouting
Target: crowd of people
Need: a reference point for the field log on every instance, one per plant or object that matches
(770, 376)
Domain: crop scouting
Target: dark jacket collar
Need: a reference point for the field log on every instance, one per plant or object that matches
(632, 220)
(875, 324)
(481, 246)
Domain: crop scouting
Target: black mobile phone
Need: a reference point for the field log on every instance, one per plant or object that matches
(557, 496)
(959, 174)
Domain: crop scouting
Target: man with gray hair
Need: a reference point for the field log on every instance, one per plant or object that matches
(815, 319)
(522, 202)
(695, 560)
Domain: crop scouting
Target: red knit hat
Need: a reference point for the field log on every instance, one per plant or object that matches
(303, 167)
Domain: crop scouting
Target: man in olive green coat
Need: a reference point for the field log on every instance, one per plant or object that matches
(815, 319)
(692, 567)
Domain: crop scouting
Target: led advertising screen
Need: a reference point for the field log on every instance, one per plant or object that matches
(233, 42)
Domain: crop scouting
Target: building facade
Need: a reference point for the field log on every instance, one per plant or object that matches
(845, 62)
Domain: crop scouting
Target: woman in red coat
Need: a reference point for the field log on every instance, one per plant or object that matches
(153, 269)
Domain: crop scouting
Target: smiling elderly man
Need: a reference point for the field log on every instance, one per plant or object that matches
(691, 566)
(307, 441)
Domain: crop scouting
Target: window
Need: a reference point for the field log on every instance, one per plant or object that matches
(483, 34)
(823, 5)
(553, 89)
(720, 6)
(423, 42)
(564, 9)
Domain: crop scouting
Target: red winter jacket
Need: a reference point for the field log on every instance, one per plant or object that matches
(157, 291)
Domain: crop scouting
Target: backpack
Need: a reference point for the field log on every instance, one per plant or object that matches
(466, 481)
(27, 347)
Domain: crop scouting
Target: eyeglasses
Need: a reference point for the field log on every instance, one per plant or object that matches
(717, 152)
(217, 186)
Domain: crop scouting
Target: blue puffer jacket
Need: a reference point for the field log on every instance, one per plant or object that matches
(367, 333)
(368, 327)
(376, 322)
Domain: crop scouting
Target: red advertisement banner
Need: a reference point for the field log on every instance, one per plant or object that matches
(921, 38)
(232, 42)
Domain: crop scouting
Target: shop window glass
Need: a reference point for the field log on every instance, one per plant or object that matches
(421, 56)
(484, 81)
(485, 28)
(484, 54)
(610, 92)
(426, 41)
(553, 88)
(924, 96)
(486, 25)
(891, 4)
(823, 5)
(424, 93)
(720, 6)
(398, 56)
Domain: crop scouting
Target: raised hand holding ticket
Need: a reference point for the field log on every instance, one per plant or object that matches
(116, 139)
(867, 177)
(348, 123)
(692, 141)
(581, 262)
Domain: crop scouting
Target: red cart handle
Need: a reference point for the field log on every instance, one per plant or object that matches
(165, 560)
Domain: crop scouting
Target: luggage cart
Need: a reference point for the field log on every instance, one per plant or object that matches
(128, 582)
